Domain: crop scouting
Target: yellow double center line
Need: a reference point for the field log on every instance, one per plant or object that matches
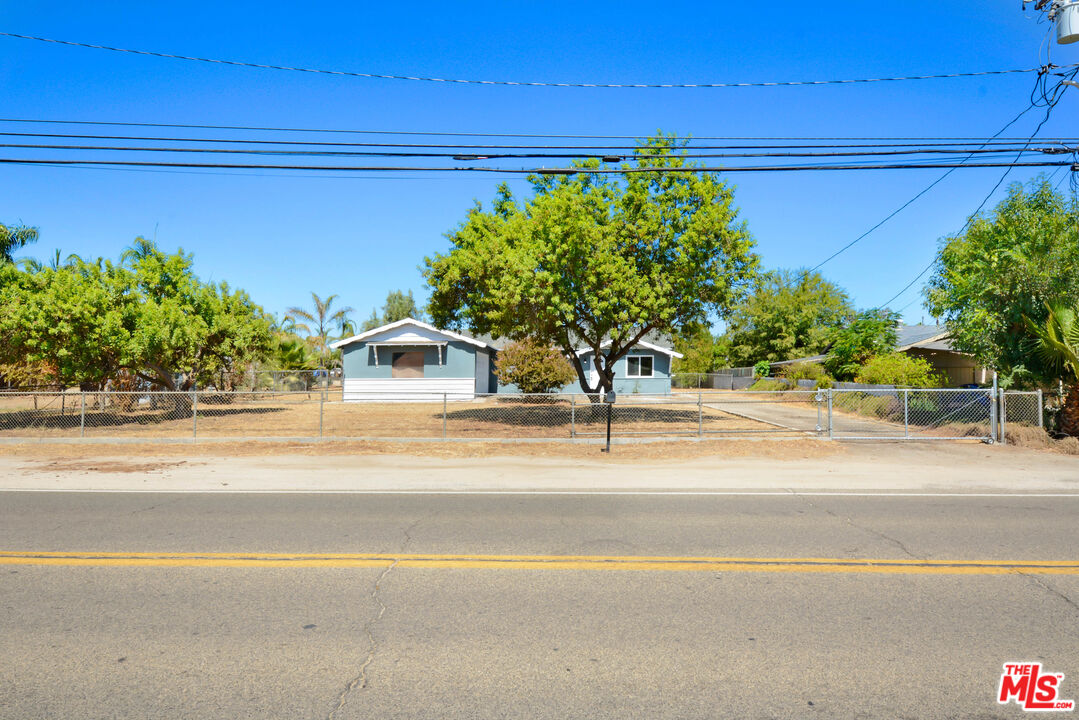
(541, 562)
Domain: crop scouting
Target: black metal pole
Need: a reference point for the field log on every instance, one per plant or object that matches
(608, 448)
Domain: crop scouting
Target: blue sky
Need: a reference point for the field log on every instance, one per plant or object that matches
(280, 237)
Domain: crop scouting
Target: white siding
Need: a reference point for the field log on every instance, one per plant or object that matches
(408, 389)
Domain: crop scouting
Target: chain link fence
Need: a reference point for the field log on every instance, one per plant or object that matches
(907, 414)
(913, 414)
(726, 379)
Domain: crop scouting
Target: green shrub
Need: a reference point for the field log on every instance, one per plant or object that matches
(901, 370)
(769, 385)
(762, 369)
(882, 407)
(807, 371)
(533, 367)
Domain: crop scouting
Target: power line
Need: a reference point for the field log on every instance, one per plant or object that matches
(536, 171)
(533, 155)
(1058, 145)
(256, 128)
(905, 205)
(381, 76)
(1048, 99)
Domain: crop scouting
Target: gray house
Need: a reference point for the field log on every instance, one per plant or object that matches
(645, 369)
(412, 360)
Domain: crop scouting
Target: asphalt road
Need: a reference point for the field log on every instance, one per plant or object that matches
(348, 606)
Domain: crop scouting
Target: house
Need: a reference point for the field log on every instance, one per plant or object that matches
(412, 360)
(645, 369)
(932, 343)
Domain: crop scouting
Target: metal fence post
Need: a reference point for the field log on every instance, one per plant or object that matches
(1003, 417)
(700, 416)
(818, 398)
(443, 416)
(572, 417)
(831, 431)
(321, 404)
(906, 413)
(82, 414)
(194, 414)
(1041, 410)
(993, 400)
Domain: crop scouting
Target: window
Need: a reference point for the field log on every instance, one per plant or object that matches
(639, 366)
(407, 365)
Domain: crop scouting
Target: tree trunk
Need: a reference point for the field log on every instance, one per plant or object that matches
(1069, 414)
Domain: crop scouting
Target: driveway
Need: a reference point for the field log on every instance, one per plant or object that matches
(799, 412)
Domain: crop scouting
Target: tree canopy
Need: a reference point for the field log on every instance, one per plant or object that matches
(13, 237)
(789, 315)
(148, 316)
(399, 305)
(871, 333)
(702, 352)
(592, 258)
(1006, 266)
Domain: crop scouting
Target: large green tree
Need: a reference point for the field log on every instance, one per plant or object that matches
(1008, 265)
(597, 260)
(399, 305)
(702, 352)
(148, 316)
(789, 315)
(871, 333)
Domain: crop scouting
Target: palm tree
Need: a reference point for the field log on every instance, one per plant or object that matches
(140, 249)
(317, 324)
(32, 265)
(13, 238)
(1058, 345)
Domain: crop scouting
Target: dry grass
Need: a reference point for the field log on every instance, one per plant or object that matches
(298, 415)
(1037, 439)
(103, 457)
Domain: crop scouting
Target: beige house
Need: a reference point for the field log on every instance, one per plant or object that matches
(931, 342)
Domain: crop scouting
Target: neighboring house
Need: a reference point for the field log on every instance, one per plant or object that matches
(932, 343)
(412, 360)
(645, 369)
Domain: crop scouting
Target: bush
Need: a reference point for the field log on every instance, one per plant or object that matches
(901, 370)
(533, 367)
(807, 371)
(882, 407)
(770, 385)
(762, 369)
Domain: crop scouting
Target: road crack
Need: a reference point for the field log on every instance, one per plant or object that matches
(850, 521)
(359, 682)
(1051, 590)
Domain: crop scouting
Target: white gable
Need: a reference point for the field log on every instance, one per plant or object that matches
(639, 344)
(407, 332)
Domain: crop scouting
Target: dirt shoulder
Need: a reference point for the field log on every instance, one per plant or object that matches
(791, 465)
